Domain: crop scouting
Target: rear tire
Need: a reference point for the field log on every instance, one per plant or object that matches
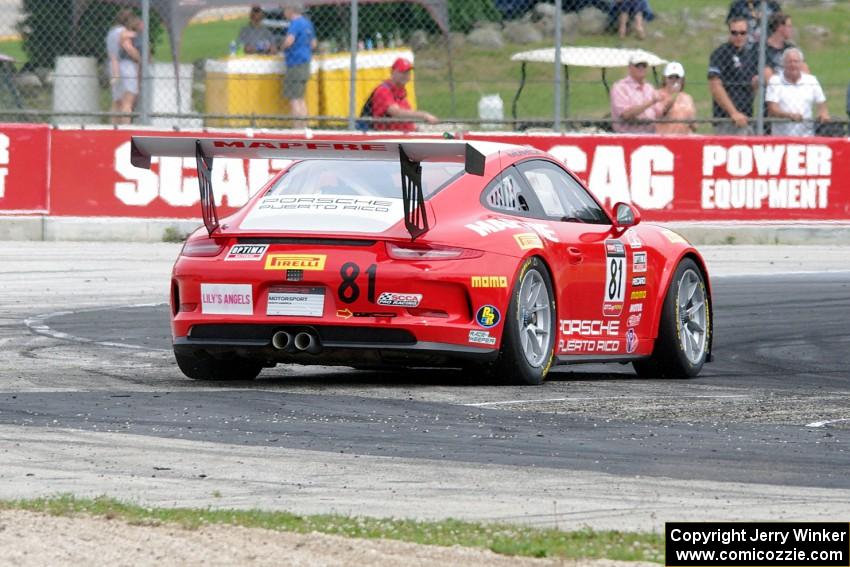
(208, 368)
(528, 339)
(684, 333)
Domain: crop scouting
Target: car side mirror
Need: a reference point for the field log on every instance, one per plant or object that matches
(625, 215)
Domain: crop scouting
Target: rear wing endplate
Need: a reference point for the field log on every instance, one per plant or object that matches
(409, 154)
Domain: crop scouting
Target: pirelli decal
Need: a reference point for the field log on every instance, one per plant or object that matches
(489, 281)
(315, 262)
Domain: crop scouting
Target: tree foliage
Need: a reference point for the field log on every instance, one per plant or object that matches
(397, 18)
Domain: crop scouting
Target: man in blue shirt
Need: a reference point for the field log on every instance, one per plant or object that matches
(298, 46)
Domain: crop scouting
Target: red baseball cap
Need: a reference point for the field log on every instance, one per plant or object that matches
(402, 65)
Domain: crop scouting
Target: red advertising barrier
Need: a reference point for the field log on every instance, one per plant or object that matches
(668, 178)
(24, 152)
(707, 178)
(109, 185)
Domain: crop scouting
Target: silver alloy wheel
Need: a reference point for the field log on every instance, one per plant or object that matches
(693, 318)
(535, 318)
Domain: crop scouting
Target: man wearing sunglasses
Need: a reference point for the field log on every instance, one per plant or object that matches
(732, 71)
(634, 102)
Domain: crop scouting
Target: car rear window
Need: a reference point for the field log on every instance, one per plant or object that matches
(360, 178)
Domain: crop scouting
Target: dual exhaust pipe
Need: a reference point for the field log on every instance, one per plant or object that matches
(303, 341)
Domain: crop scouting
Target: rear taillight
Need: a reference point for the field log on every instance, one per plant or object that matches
(204, 247)
(414, 251)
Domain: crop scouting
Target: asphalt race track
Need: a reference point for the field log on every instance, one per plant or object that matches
(772, 410)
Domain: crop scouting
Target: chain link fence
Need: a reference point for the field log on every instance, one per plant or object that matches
(477, 64)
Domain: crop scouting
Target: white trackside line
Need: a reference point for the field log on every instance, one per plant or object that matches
(39, 326)
(591, 399)
(826, 422)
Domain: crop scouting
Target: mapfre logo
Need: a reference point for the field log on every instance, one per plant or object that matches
(4, 162)
(295, 262)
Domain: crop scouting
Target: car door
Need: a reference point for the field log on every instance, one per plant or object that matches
(592, 265)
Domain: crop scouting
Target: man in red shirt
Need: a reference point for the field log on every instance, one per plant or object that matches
(389, 100)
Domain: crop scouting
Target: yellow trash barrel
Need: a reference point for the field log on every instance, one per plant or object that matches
(253, 85)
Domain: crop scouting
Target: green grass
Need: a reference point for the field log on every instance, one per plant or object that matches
(499, 538)
(202, 41)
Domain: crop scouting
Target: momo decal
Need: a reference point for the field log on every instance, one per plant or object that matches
(489, 281)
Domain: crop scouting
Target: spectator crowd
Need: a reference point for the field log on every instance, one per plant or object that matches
(794, 102)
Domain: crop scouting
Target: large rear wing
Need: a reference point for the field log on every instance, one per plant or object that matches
(409, 154)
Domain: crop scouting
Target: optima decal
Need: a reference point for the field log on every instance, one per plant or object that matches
(315, 262)
(246, 252)
(489, 281)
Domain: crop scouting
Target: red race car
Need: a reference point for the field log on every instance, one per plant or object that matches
(427, 253)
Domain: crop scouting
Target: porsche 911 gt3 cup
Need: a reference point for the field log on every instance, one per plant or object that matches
(427, 253)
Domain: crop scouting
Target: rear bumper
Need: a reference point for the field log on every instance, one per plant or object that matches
(338, 345)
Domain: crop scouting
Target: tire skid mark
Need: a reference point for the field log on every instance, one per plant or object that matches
(39, 326)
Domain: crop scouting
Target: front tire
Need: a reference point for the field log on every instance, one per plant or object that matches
(684, 334)
(211, 369)
(528, 340)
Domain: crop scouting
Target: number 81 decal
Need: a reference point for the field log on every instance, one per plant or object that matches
(615, 278)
